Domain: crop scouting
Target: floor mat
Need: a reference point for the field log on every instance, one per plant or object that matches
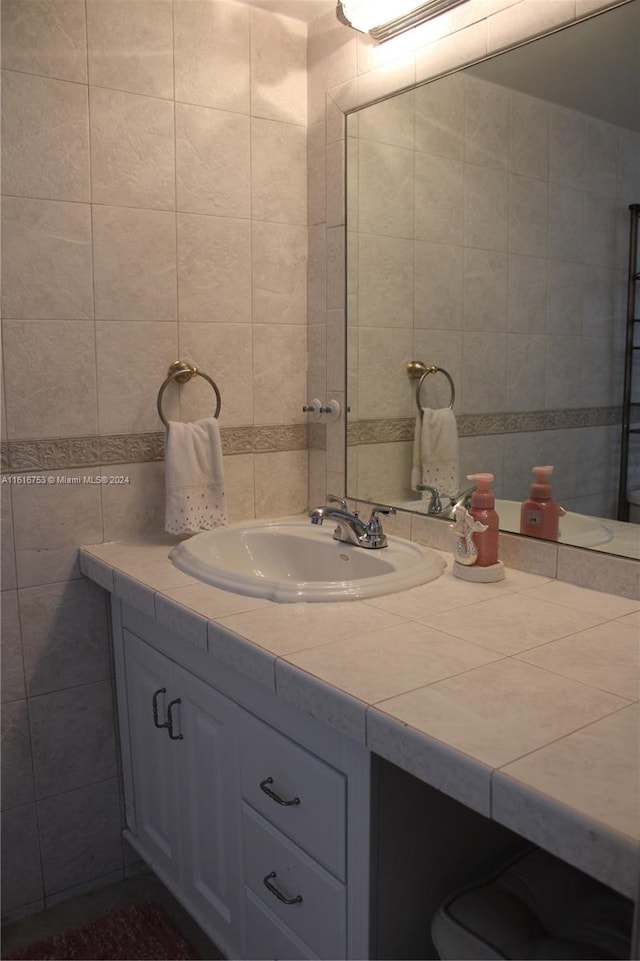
(139, 932)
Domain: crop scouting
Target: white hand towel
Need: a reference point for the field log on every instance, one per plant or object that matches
(194, 477)
(436, 460)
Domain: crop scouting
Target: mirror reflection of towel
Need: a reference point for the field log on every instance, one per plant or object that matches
(436, 460)
(194, 477)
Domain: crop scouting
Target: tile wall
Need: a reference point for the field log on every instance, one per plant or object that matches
(154, 206)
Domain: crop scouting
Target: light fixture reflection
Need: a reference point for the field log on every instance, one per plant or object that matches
(384, 19)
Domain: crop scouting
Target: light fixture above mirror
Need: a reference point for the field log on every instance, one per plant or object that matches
(384, 19)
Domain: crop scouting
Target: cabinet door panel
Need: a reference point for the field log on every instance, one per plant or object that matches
(153, 753)
(210, 818)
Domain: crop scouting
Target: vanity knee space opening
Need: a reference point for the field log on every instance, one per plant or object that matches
(428, 847)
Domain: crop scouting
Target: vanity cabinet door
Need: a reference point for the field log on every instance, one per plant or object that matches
(209, 804)
(183, 745)
(153, 754)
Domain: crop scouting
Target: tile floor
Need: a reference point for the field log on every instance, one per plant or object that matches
(78, 911)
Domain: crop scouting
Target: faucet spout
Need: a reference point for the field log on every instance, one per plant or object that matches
(350, 529)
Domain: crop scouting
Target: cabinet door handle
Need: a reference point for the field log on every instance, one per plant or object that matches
(276, 797)
(270, 886)
(154, 701)
(169, 724)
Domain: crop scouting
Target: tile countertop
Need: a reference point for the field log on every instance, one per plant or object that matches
(519, 699)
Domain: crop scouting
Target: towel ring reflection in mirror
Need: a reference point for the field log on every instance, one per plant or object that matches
(416, 370)
(180, 371)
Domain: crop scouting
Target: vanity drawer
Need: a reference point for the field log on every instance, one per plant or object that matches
(318, 822)
(268, 938)
(272, 863)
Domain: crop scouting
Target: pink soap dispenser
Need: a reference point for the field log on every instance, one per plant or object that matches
(475, 551)
(482, 509)
(540, 515)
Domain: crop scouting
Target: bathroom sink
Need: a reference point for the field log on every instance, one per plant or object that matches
(292, 560)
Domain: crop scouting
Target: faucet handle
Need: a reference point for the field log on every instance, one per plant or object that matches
(375, 527)
(334, 499)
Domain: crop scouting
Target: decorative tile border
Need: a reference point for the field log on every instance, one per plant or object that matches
(59, 453)
(475, 425)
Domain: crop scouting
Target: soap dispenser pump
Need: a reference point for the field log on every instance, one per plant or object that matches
(539, 514)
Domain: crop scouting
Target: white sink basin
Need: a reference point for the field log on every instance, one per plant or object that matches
(295, 561)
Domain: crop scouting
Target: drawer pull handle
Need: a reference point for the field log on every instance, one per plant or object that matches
(276, 797)
(169, 724)
(154, 702)
(268, 883)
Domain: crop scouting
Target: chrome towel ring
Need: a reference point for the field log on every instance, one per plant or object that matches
(181, 372)
(416, 370)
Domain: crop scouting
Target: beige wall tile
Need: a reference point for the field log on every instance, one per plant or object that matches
(212, 54)
(386, 189)
(279, 269)
(43, 121)
(46, 37)
(278, 67)
(51, 521)
(279, 373)
(439, 289)
(136, 508)
(484, 362)
(439, 117)
(387, 350)
(239, 483)
(212, 161)
(485, 289)
(438, 199)
(224, 351)
(131, 46)
(12, 672)
(135, 264)
(281, 483)
(386, 280)
(131, 361)
(486, 196)
(50, 379)
(46, 259)
(22, 879)
(8, 574)
(278, 172)
(132, 150)
(214, 269)
(66, 640)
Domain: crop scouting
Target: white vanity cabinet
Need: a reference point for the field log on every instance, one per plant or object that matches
(254, 815)
(183, 744)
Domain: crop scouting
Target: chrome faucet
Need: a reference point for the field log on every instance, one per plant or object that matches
(350, 529)
(436, 506)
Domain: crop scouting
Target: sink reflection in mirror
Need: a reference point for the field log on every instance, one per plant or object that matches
(487, 234)
(292, 560)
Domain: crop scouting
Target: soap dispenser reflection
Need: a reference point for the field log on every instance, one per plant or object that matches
(540, 515)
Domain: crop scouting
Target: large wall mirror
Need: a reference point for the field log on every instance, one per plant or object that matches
(488, 235)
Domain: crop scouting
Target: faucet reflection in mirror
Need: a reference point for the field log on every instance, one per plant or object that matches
(385, 19)
(487, 228)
